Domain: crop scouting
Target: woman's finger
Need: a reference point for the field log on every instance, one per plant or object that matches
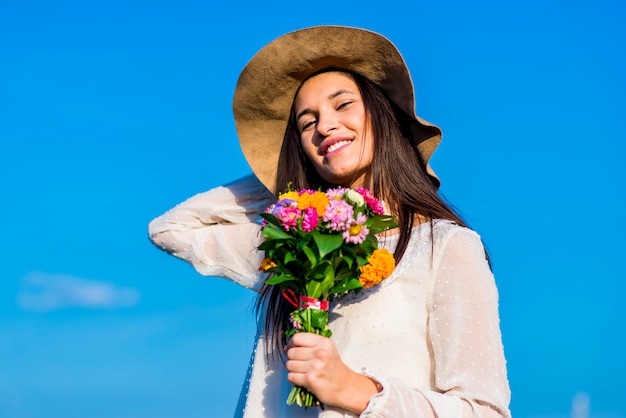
(297, 366)
(306, 339)
(300, 353)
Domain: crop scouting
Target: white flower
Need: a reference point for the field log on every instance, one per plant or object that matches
(354, 197)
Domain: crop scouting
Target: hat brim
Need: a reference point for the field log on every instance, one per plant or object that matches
(268, 84)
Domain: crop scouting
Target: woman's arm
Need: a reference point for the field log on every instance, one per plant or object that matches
(469, 366)
(216, 231)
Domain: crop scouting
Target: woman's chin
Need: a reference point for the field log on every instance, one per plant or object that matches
(350, 180)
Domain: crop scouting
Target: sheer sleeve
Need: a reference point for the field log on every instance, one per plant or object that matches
(216, 231)
(463, 326)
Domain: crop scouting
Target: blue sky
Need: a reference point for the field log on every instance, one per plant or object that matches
(112, 112)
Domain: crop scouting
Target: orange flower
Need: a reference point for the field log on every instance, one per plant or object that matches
(267, 264)
(380, 266)
(315, 200)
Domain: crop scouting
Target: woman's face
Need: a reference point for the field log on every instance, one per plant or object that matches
(331, 120)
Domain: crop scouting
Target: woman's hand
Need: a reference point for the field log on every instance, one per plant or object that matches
(314, 363)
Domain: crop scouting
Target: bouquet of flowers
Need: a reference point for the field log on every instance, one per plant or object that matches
(319, 245)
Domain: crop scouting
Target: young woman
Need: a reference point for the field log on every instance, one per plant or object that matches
(328, 106)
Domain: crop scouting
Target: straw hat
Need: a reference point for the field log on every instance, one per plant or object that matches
(268, 84)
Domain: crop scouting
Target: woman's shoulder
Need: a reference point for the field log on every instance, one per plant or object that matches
(446, 233)
(454, 241)
(438, 231)
(443, 228)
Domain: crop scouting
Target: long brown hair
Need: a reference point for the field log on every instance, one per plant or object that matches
(398, 175)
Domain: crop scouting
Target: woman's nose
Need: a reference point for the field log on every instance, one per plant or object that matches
(326, 124)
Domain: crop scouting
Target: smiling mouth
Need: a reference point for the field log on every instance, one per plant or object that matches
(334, 147)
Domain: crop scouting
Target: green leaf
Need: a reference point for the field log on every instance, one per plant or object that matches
(270, 232)
(329, 278)
(346, 285)
(294, 267)
(290, 333)
(345, 273)
(344, 259)
(368, 246)
(270, 219)
(320, 280)
(314, 288)
(310, 255)
(289, 257)
(319, 318)
(271, 245)
(380, 223)
(319, 272)
(327, 243)
(279, 278)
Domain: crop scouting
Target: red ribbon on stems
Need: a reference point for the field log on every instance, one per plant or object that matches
(312, 303)
(305, 301)
(290, 296)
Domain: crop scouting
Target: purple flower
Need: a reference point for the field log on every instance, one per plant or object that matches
(338, 214)
(356, 231)
(281, 204)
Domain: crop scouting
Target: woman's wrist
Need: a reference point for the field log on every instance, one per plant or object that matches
(357, 394)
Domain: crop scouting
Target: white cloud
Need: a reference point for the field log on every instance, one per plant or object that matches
(47, 292)
(580, 409)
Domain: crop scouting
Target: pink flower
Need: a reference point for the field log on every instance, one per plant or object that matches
(288, 217)
(295, 323)
(338, 214)
(371, 201)
(356, 231)
(336, 194)
(310, 220)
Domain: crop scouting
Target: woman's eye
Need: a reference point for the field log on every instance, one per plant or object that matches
(343, 105)
(307, 125)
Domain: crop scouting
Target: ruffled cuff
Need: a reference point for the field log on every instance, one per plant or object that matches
(377, 401)
(398, 401)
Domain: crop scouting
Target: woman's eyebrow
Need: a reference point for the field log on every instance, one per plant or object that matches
(330, 97)
(339, 93)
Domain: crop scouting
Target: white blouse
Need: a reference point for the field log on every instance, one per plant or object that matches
(430, 333)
